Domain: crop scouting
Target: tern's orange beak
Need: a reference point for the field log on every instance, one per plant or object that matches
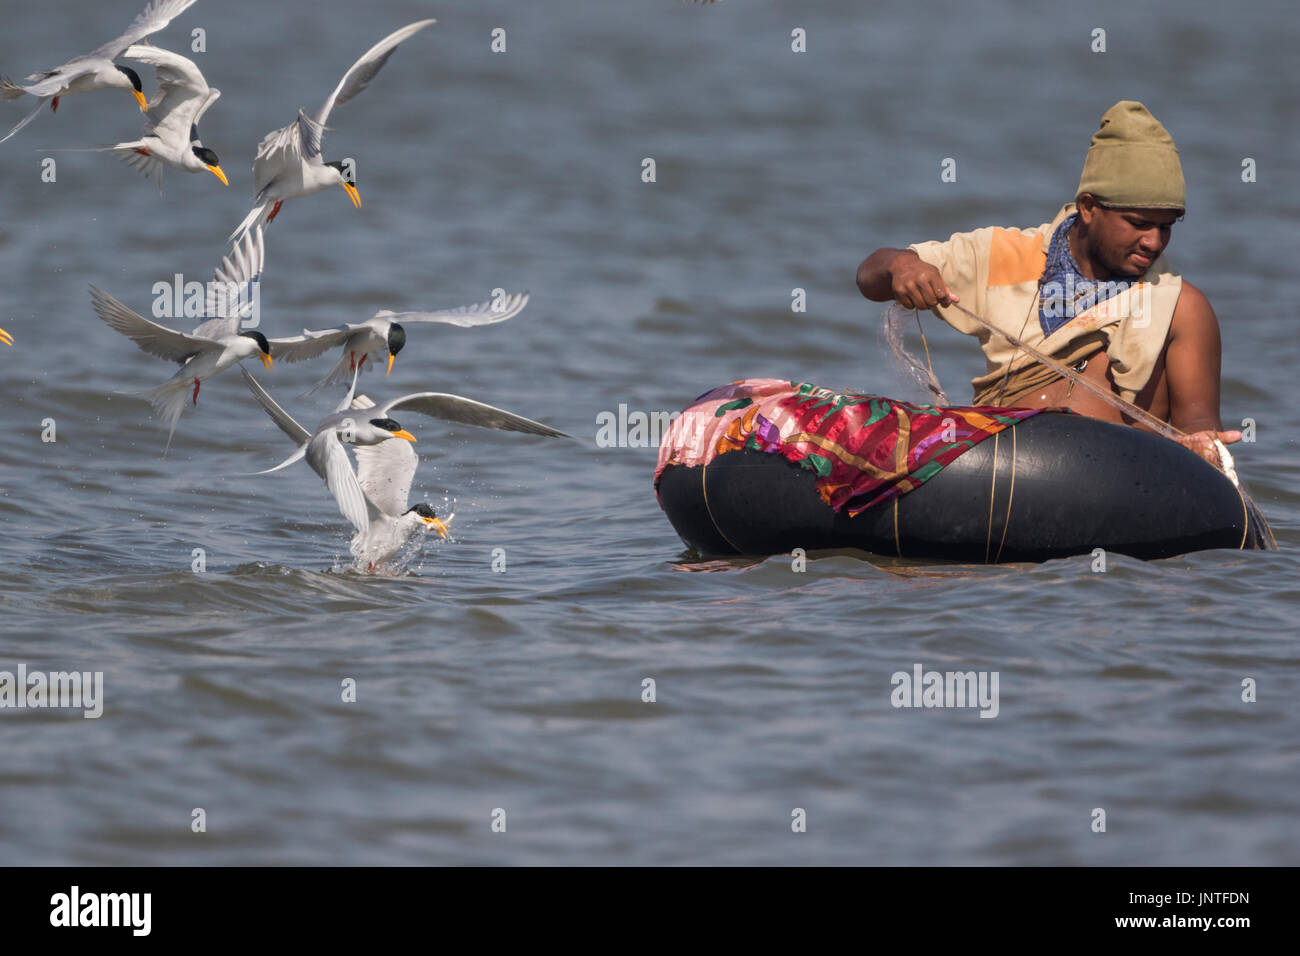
(266, 360)
(436, 525)
(6, 338)
(216, 171)
(139, 98)
(391, 356)
(404, 434)
(353, 194)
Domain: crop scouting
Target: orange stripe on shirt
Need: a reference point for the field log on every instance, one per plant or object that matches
(1015, 257)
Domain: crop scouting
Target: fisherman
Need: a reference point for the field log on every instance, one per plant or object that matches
(1091, 289)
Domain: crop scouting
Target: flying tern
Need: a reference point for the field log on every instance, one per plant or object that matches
(96, 70)
(171, 134)
(214, 345)
(288, 162)
(384, 334)
(372, 498)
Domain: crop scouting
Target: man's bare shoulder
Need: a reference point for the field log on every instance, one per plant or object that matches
(1193, 316)
(1192, 295)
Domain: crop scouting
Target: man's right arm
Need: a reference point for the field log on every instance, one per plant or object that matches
(901, 275)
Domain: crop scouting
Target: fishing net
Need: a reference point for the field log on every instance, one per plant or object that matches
(895, 321)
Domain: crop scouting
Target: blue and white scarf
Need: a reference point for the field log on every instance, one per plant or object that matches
(1064, 291)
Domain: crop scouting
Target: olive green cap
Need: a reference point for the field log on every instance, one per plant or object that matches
(1133, 162)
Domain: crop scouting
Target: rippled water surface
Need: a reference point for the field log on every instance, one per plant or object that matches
(479, 690)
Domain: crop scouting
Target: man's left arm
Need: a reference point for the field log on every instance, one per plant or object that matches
(1192, 364)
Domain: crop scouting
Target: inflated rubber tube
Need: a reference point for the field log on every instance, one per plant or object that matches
(1051, 486)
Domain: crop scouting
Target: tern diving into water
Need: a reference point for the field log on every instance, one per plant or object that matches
(171, 134)
(215, 345)
(374, 497)
(96, 70)
(384, 334)
(378, 490)
(288, 162)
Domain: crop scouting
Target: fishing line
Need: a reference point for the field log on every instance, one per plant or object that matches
(1226, 464)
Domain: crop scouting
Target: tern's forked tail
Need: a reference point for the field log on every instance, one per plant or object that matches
(10, 90)
(254, 215)
(137, 156)
(340, 374)
(168, 401)
(297, 455)
(26, 119)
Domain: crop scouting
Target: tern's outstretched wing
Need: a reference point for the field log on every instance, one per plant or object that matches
(363, 71)
(327, 457)
(52, 82)
(481, 313)
(284, 149)
(214, 94)
(183, 93)
(324, 452)
(297, 434)
(151, 19)
(232, 295)
(465, 411)
(150, 336)
(310, 344)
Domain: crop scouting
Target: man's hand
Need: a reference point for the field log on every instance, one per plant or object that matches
(1203, 443)
(917, 284)
(901, 275)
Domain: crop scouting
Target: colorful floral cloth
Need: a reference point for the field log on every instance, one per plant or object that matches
(865, 449)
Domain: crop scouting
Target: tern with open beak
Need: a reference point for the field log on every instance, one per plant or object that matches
(215, 345)
(96, 70)
(288, 162)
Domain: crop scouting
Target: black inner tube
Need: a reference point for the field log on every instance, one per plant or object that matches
(1051, 486)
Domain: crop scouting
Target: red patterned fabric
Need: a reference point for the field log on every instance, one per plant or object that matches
(865, 448)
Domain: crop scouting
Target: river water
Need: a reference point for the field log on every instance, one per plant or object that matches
(502, 678)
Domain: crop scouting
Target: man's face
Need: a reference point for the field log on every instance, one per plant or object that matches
(1126, 241)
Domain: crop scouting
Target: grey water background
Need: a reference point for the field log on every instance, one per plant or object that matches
(521, 690)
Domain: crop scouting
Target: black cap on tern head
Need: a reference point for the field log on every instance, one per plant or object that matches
(133, 76)
(349, 175)
(206, 155)
(260, 339)
(396, 338)
(423, 510)
(387, 424)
